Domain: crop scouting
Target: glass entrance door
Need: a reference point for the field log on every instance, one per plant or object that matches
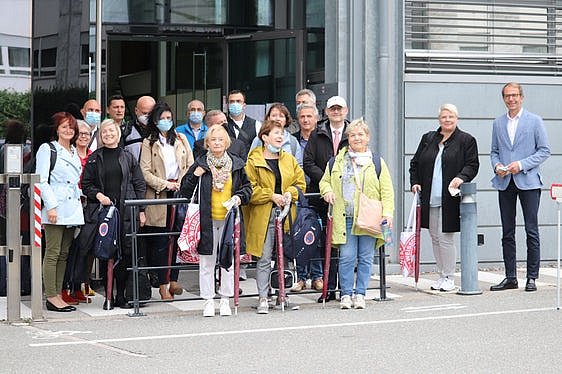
(267, 67)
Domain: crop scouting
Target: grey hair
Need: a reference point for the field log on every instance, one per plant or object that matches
(450, 107)
(307, 106)
(357, 123)
(306, 91)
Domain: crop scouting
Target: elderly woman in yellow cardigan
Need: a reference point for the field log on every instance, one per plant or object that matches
(274, 175)
(338, 186)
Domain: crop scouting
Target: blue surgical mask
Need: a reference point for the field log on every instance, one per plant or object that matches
(165, 125)
(92, 118)
(273, 149)
(195, 117)
(235, 109)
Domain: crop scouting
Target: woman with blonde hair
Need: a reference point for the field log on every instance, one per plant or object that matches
(111, 176)
(445, 159)
(354, 171)
(222, 184)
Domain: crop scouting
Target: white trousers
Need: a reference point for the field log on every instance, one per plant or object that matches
(443, 244)
(207, 265)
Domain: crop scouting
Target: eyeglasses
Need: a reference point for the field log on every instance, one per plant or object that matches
(86, 134)
(509, 96)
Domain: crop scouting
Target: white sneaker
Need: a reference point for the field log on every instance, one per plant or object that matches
(359, 302)
(242, 275)
(209, 308)
(263, 306)
(225, 307)
(345, 302)
(447, 285)
(437, 285)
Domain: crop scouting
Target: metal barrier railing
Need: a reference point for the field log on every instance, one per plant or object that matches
(135, 268)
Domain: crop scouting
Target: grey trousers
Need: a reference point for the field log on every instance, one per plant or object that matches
(443, 244)
(263, 266)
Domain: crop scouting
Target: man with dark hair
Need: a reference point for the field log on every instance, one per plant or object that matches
(240, 125)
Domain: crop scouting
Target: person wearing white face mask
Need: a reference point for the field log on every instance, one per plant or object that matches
(195, 128)
(138, 130)
(165, 159)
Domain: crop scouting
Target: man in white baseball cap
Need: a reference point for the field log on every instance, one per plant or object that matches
(323, 143)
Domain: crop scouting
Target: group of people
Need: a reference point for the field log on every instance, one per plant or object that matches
(230, 159)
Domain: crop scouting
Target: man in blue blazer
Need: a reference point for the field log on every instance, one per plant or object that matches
(519, 147)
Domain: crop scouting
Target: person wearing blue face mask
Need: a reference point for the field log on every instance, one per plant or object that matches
(240, 126)
(165, 158)
(91, 112)
(195, 128)
(274, 175)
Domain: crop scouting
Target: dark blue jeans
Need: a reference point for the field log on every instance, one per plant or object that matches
(529, 200)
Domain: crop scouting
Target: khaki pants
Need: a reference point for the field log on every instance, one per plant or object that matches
(58, 239)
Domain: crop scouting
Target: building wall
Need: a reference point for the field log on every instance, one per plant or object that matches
(15, 32)
(479, 101)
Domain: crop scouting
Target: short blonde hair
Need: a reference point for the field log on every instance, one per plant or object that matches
(357, 123)
(450, 107)
(104, 124)
(217, 129)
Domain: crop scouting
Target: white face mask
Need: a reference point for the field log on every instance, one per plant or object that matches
(143, 119)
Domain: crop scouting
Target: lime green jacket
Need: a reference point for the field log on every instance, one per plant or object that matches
(374, 188)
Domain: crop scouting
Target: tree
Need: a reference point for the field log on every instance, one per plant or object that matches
(14, 105)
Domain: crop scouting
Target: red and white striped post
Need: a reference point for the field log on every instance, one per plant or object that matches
(37, 216)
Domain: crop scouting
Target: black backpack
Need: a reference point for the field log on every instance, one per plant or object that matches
(107, 239)
(304, 240)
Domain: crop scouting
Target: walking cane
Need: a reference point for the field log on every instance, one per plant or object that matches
(281, 214)
(109, 284)
(236, 259)
(327, 254)
(418, 240)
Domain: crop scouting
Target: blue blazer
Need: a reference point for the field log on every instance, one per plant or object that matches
(530, 147)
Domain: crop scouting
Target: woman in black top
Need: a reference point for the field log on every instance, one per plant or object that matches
(112, 175)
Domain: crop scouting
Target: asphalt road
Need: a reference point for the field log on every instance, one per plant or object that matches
(417, 332)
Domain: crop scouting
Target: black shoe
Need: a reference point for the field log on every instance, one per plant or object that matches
(329, 296)
(122, 303)
(108, 304)
(506, 284)
(53, 308)
(530, 286)
(154, 282)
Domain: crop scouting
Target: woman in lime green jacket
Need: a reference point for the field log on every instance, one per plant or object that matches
(338, 187)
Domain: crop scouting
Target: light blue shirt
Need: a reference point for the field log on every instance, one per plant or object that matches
(437, 182)
(290, 145)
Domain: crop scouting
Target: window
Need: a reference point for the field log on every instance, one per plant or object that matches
(483, 37)
(18, 59)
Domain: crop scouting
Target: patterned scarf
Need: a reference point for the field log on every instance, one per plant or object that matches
(220, 168)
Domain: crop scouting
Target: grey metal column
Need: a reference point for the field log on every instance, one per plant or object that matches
(13, 168)
(469, 255)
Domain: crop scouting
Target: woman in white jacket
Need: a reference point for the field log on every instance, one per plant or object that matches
(62, 209)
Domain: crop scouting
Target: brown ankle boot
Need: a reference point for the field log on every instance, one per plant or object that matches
(164, 293)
